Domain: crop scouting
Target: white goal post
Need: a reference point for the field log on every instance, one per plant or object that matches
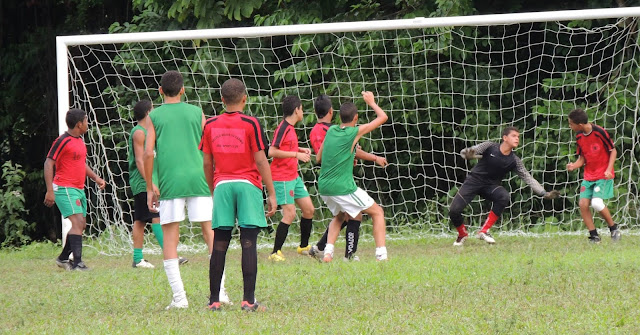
(446, 83)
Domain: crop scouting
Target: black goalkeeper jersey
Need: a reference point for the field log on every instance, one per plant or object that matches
(493, 166)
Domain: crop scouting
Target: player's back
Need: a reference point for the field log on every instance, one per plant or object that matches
(317, 135)
(178, 130)
(336, 170)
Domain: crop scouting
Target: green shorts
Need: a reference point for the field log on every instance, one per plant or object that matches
(238, 200)
(70, 201)
(602, 188)
(288, 191)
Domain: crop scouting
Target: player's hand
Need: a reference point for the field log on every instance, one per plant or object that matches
(156, 190)
(101, 183)
(570, 167)
(305, 150)
(303, 156)
(369, 98)
(608, 174)
(551, 195)
(469, 153)
(152, 202)
(381, 161)
(271, 205)
(49, 199)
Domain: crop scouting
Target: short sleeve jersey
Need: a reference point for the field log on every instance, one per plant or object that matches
(137, 183)
(595, 147)
(70, 154)
(178, 129)
(317, 135)
(285, 139)
(336, 169)
(232, 138)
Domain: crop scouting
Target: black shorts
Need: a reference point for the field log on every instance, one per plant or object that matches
(141, 210)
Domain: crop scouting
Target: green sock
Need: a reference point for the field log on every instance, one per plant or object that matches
(137, 255)
(157, 231)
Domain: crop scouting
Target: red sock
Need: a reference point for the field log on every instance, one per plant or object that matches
(462, 230)
(489, 223)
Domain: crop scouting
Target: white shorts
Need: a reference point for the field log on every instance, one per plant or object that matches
(351, 204)
(200, 209)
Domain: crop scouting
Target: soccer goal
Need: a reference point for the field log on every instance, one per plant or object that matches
(446, 83)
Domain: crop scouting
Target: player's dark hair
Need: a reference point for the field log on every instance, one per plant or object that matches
(141, 109)
(322, 105)
(348, 111)
(232, 91)
(74, 116)
(578, 116)
(508, 130)
(289, 105)
(171, 83)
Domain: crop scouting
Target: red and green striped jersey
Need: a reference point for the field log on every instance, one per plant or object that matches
(285, 139)
(232, 138)
(70, 154)
(595, 147)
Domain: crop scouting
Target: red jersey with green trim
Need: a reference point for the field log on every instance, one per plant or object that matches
(285, 139)
(595, 147)
(232, 138)
(317, 135)
(70, 154)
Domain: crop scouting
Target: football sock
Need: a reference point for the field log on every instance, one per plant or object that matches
(381, 251)
(328, 249)
(462, 230)
(173, 276)
(591, 233)
(281, 236)
(248, 239)
(305, 231)
(66, 251)
(157, 231)
(323, 240)
(75, 242)
(353, 234)
(221, 239)
(614, 227)
(137, 255)
(489, 223)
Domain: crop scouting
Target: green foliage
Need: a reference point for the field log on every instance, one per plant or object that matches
(15, 229)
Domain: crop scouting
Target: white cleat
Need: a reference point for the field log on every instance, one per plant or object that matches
(143, 264)
(181, 303)
(460, 240)
(486, 237)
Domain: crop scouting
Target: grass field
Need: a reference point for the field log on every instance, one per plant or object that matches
(528, 285)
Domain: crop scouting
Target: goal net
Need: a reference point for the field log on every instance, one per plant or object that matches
(446, 83)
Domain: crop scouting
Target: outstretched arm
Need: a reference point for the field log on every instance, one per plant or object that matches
(527, 178)
(476, 151)
(299, 155)
(381, 117)
(361, 154)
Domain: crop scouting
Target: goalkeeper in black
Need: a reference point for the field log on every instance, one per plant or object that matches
(496, 160)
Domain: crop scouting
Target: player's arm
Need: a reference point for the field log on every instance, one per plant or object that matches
(476, 151)
(361, 154)
(265, 171)
(533, 183)
(49, 165)
(612, 160)
(94, 176)
(381, 117)
(319, 154)
(301, 156)
(207, 164)
(147, 157)
(577, 164)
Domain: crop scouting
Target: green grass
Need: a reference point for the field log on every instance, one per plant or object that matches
(527, 285)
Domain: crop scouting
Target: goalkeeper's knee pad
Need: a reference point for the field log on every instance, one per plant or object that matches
(597, 204)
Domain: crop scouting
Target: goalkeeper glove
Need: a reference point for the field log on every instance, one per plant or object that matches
(469, 153)
(551, 195)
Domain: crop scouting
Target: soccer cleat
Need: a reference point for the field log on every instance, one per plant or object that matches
(304, 251)
(316, 253)
(277, 256)
(181, 303)
(66, 265)
(214, 307)
(353, 258)
(616, 235)
(594, 239)
(486, 237)
(143, 264)
(255, 307)
(223, 298)
(80, 267)
(182, 260)
(460, 240)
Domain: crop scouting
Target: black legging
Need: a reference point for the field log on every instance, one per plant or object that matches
(471, 187)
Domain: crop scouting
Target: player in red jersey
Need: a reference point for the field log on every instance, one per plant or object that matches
(234, 144)
(324, 112)
(290, 189)
(597, 154)
(68, 158)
